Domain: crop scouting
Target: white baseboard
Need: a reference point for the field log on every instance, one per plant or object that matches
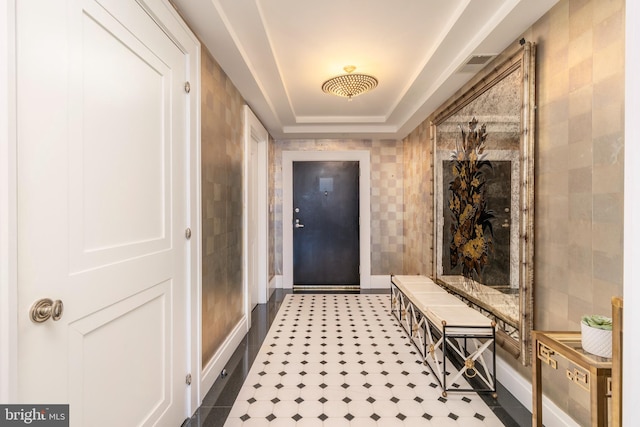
(212, 371)
(521, 389)
(275, 282)
(381, 281)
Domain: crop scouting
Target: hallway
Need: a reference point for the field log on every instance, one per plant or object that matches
(348, 378)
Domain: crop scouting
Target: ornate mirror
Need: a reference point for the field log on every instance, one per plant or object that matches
(483, 179)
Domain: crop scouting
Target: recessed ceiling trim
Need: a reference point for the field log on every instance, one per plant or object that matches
(351, 129)
(246, 57)
(274, 58)
(341, 119)
(448, 80)
(441, 37)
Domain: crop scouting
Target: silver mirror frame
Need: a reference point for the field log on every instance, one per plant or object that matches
(521, 56)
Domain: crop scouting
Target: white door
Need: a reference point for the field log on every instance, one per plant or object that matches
(102, 202)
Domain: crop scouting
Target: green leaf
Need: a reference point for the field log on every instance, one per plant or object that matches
(597, 321)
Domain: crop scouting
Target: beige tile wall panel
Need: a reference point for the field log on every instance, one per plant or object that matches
(222, 142)
(418, 208)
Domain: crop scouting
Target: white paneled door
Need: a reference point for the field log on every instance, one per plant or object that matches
(102, 210)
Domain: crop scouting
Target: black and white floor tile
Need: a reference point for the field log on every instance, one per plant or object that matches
(343, 360)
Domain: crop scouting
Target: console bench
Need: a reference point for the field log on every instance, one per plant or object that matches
(442, 326)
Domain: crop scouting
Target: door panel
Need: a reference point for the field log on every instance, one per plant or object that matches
(139, 324)
(119, 172)
(101, 212)
(326, 247)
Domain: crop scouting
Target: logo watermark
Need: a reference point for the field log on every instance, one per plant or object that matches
(34, 415)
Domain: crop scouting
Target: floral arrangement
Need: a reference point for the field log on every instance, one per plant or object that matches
(471, 228)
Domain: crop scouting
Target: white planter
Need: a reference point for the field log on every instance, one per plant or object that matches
(596, 341)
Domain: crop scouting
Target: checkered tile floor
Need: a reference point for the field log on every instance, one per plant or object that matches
(342, 360)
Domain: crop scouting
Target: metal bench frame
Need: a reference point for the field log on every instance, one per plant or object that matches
(466, 343)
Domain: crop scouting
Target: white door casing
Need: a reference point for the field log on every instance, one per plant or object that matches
(104, 131)
(256, 214)
(252, 225)
(361, 156)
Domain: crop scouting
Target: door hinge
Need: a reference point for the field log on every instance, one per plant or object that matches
(188, 379)
(187, 87)
(187, 233)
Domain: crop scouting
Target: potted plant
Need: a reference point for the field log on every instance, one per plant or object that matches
(596, 335)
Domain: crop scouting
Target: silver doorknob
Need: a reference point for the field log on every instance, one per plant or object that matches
(297, 224)
(45, 308)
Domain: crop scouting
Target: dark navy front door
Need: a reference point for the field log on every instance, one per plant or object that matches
(326, 242)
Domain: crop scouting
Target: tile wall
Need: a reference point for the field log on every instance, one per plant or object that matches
(579, 174)
(418, 201)
(222, 151)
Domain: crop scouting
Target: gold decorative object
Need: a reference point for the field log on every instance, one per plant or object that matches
(470, 365)
(545, 353)
(579, 377)
(471, 228)
(350, 84)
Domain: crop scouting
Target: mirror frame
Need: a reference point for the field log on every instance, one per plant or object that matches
(524, 57)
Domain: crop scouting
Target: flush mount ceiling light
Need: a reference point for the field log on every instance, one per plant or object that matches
(349, 85)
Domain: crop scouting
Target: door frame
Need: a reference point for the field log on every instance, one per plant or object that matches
(167, 18)
(255, 133)
(363, 157)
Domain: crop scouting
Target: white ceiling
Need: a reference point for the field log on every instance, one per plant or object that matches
(279, 52)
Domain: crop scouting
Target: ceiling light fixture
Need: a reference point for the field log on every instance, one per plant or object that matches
(349, 85)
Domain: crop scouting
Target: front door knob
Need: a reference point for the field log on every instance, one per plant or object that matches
(46, 308)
